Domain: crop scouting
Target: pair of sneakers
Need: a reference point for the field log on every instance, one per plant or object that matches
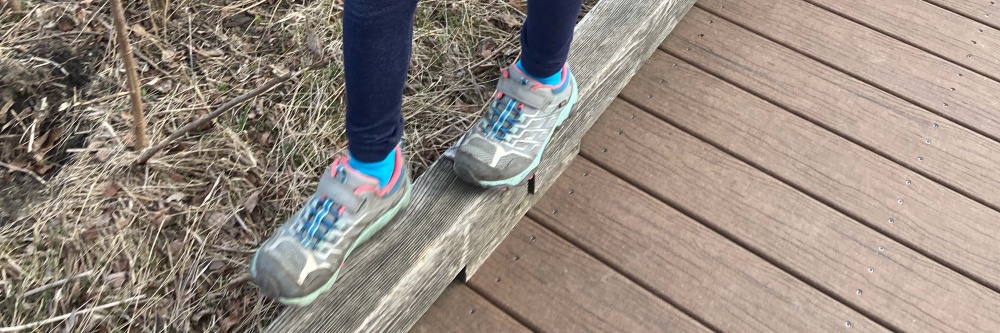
(304, 258)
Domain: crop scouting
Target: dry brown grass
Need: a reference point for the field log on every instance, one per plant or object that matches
(179, 231)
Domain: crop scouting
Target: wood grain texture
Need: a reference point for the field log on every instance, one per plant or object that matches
(982, 11)
(872, 57)
(851, 178)
(554, 286)
(462, 310)
(451, 226)
(929, 27)
(904, 291)
(724, 285)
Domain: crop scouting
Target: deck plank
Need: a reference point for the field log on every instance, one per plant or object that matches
(983, 11)
(462, 310)
(725, 285)
(876, 58)
(554, 286)
(933, 216)
(905, 290)
(932, 28)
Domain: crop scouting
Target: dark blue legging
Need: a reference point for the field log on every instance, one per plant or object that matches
(378, 37)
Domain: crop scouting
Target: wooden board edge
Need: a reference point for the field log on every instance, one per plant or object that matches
(450, 226)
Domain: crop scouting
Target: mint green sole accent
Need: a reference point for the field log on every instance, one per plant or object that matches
(563, 115)
(365, 235)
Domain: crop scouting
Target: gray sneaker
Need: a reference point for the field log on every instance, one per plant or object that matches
(305, 256)
(505, 146)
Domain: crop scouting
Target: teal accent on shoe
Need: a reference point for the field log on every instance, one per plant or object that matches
(365, 235)
(551, 80)
(381, 170)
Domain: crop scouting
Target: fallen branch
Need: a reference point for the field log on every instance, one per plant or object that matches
(65, 316)
(146, 155)
(133, 78)
(23, 170)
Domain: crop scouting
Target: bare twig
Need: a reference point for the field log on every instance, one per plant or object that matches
(65, 316)
(133, 78)
(57, 283)
(146, 155)
(99, 99)
(23, 170)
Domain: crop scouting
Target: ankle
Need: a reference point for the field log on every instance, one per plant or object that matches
(382, 170)
(551, 80)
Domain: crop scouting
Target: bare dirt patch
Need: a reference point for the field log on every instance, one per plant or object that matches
(39, 84)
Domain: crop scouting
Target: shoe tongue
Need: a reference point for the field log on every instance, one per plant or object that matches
(513, 88)
(340, 183)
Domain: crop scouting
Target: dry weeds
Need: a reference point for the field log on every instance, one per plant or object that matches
(166, 244)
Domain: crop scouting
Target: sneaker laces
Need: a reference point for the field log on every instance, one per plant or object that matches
(503, 120)
(318, 222)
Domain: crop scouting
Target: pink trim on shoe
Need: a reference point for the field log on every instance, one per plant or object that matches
(381, 192)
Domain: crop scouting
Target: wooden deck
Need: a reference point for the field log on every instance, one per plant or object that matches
(780, 165)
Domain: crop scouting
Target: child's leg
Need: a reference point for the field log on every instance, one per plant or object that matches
(533, 97)
(546, 36)
(356, 196)
(377, 45)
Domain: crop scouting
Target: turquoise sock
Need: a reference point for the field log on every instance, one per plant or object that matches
(381, 170)
(551, 80)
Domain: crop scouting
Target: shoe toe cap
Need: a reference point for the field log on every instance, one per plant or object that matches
(278, 275)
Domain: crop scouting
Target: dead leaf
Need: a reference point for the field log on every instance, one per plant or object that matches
(39, 141)
(66, 24)
(175, 248)
(21, 162)
(216, 220)
(110, 189)
(102, 220)
(138, 30)
(251, 202)
(54, 136)
(127, 138)
(167, 55)
(159, 216)
(231, 321)
(216, 265)
(176, 197)
(121, 223)
(90, 235)
(520, 5)
(102, 154)
(510, 20)
(279, 69)
(264, 138)
(43, 167)
(175, 176)
(211, 53)
(115, 280)
(312, 41)
(485, 48)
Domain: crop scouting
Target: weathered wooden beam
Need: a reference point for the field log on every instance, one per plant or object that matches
(451, 227)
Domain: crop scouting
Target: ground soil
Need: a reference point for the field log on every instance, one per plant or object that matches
(36, 84)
